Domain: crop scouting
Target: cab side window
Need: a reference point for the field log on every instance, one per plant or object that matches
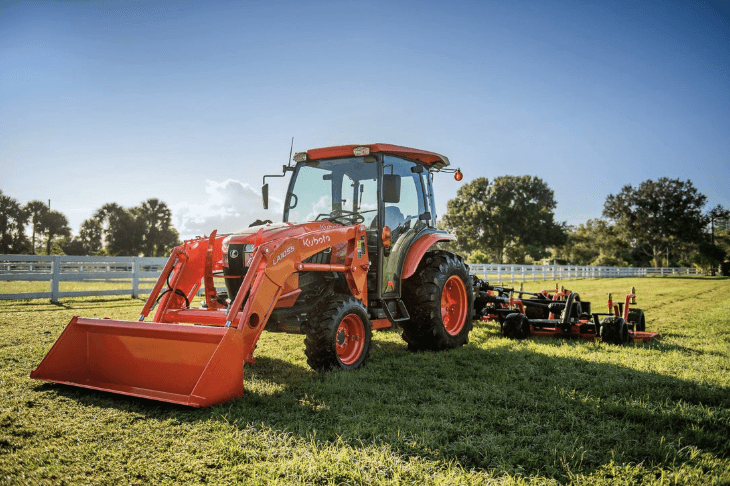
(403, 214)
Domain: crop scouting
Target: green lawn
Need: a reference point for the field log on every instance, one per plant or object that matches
(540, 411)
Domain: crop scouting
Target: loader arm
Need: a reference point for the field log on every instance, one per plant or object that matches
(271, 265)
(276, 261)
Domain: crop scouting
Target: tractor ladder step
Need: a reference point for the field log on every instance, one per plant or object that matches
(401, 308)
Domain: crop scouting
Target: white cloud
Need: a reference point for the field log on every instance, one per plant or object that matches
(227, 206)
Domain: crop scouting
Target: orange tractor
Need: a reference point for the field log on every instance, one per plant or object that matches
(363, 259)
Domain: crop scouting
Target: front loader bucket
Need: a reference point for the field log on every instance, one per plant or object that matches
(190, 365)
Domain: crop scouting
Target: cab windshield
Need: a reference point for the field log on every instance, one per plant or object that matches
(342, 189)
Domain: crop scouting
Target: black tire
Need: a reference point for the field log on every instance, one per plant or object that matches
(441, 281)
(516, 326)
(535, 312)
(339, 337)
(614, 330)
(636, 316)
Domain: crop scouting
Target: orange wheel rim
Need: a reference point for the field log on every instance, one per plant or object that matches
(454, 305)
(350, 339)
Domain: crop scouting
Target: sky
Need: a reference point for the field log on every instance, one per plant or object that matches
(193, 102)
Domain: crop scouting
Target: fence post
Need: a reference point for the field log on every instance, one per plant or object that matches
(55, 278)
(135, 278)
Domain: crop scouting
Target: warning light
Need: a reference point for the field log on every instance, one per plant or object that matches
(386, 237)
(360, 151)
(458, 175)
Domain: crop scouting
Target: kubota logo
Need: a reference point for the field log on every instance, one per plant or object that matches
(283, 254)
(315, 240)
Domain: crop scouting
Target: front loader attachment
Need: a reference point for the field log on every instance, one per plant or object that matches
(190, 365)
(195, 355)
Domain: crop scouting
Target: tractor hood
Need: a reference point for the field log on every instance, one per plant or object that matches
(255, 235)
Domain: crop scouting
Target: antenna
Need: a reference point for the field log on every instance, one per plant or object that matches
(291, 149)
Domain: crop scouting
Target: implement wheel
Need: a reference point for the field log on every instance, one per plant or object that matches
(516, 326)
(614, 330)
(636, 316)
(339, 337)
(439, 297)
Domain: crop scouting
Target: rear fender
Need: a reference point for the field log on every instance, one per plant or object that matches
(419, 248)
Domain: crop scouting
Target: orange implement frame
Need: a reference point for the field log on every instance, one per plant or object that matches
(195, 365)
(498, 307)
(578, 328)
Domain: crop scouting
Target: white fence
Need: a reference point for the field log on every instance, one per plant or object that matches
(499, 273)
(56, 269)
(135, 270)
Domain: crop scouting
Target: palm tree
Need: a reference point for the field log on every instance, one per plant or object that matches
(36, 210)
(55, 224)
(159, 235)
(12, 225)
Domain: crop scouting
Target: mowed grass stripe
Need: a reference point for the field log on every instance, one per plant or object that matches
(501, 411)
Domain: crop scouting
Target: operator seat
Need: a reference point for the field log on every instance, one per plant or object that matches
(393, 217)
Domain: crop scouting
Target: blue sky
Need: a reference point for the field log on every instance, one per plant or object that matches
(193, 102)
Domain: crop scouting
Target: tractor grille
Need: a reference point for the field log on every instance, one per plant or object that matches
(239, 254)
(323, 256)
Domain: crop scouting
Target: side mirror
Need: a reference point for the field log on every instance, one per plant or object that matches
(391, 188)
(265, 195)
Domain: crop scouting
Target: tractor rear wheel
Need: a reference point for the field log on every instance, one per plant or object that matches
(637, 317)
(440, 300)
(614, 330)
(339, 337)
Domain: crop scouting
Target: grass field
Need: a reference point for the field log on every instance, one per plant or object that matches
(496, 411)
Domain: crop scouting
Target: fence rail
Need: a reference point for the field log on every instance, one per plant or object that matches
(56, 269)
(137, 270)
(523, 273)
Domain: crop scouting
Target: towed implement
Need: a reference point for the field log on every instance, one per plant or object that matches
(362, 260)
(561, 314)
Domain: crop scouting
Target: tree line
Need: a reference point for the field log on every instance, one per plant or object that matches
(658, 223)
(144, 230)
(509, 219)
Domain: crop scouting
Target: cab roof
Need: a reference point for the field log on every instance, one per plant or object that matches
(431, 159)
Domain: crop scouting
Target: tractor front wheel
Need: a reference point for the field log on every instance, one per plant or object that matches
(440, 299)
(339, 337)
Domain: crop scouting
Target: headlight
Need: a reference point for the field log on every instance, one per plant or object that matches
(224, 249)
(247, 255)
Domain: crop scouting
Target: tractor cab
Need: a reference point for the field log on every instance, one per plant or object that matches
(383, 187)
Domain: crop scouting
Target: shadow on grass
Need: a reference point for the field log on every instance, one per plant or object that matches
(506, 409)
(689, 350)
(44, 305)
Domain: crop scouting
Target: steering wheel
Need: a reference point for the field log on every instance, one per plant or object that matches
(350, 217)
